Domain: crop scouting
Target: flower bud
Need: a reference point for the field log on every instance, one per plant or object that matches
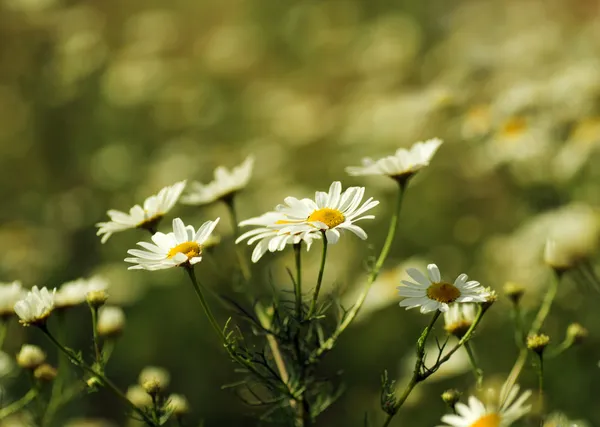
(491, 298)
(154, 379)
(514, 292)
(30, 356)
(178, 404)
(576, 333)
(45, 373)
(97, 298)
(111, 321)
(138, 396)
(538, 343)
(451, 397)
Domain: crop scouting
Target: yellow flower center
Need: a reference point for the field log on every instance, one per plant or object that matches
(189, 249)
(514, 127)
(459, 328)
(489, 420)
(330, 217)
(443, 292)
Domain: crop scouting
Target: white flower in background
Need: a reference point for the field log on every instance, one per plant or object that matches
(36, 306)
(431, 293)
(459, 318)
(30, 356)
(183, 245)
(179, 404)
(111, 321)
(268, 236)
(10, 293)
(138, 396)
(402, 164)
(155, 207)
(7, 366)
(153, 378)
(330, 212)
(75, 292)
(556, 419)
(223, 186)
(477, 414)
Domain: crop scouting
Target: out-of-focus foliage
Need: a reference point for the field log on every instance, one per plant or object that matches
(102, 103)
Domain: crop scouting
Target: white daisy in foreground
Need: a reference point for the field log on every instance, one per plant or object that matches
(403, 163)
(10, 293)
(459, 318)
(225, 184)
(148, 216)
(75, 292)
(182, 246)
(36, 306)
(268, 236)
(330, 212)
(431, 293)
(476, 414)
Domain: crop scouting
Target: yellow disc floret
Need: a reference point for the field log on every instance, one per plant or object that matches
(189, 249)
(489, 420)
(443, 292)
(330, 217)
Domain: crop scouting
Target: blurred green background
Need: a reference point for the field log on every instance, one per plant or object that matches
(102, 103)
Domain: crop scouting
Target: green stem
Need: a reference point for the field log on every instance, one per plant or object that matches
(211, 318)
(76, 360)
(97, 351)
(243, 263)
(315, 297)
(566, 344)
(57, 384)
(476, 370)
(535, 328)
(298, 283)
(3, 330)
(518, 322)
(541, 384)
(330, 342)
(18, 404)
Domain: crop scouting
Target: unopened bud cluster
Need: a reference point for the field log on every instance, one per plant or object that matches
(538, 342)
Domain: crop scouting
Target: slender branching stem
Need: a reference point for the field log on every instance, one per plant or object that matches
(96, 338)
(3, 330)
(477, 371)
(298, 282)
(77, 361)
(189, 269)
(518, 324)
(535, 328)
(17, 405)
(315, 297)
(330, 342)
(540, 372)
(243, 263)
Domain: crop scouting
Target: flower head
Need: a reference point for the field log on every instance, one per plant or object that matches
(268, 236)
(330, 212)
(402, 164)
(223, 186)
(154, 379)
(430, 293)
(179, 404)
(182, 246)
(477, 414)
(30, 356)
(459, 318)
(36, 306)
(10, 293)
(75, 292)
(111, 321)
(155, 207)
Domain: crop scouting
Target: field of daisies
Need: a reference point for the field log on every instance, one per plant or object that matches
(316, 213)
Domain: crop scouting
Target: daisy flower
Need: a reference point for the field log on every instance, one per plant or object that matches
(459, 318)
(430, 293)
(182, 246)
(268, 236)
(476, 414)
(148, 216)
(330, 212)
(75, 292)
(10, 293)
(403, 163)
(36, 306)
(225, 184)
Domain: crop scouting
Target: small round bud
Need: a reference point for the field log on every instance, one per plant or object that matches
(451, 397)
(111, 321)
(178, 404)
(138, 396)
(538, 342)
(30, 356)
(514, 292)
(45, 373)
(154, 379)
(96, 298)
(93, 382)
(576, 333)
